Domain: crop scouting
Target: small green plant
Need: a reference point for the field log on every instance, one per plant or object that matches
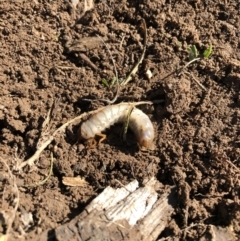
(207, 52)
(105, 82)
(194, 54)
(109, 84)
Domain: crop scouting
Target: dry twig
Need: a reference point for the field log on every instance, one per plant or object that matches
(197, 81)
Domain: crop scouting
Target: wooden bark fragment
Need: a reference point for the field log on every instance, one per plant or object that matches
(127, 213)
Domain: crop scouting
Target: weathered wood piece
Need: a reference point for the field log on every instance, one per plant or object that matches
(127, 213)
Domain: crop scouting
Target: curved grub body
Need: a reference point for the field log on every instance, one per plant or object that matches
(139, 123)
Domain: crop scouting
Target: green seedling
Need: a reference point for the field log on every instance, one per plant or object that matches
(193, 52)
(130, 75)
(113, 81)
(194, 55)
(107, 84)
(207, 52)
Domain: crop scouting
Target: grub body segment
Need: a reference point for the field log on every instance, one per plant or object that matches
(139, 123)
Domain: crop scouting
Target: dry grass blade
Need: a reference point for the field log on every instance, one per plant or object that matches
(197, 82)
(126, 123)
(45, 179)
(135, 68)
(51, 113)
(88, 61)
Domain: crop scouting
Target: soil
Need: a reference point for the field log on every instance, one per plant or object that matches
(43, 52)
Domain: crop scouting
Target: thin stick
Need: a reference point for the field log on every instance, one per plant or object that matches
(88, 61)
(148, 102)
(187, 64)
(178, 71)
(197, 81)
(233, 165)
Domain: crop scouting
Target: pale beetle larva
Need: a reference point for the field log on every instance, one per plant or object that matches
(139, 123)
